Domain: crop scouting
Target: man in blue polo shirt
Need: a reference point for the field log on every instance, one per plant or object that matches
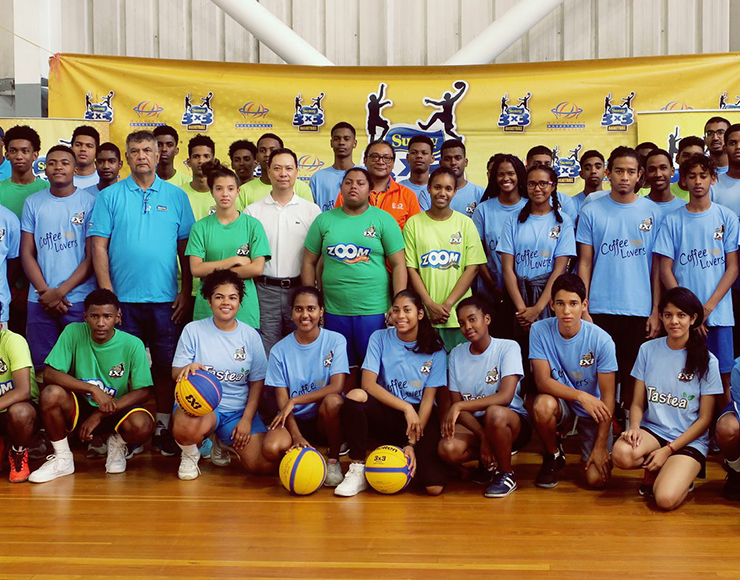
(139, 229)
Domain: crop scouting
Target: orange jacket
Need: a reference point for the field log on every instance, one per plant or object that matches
(398, 200)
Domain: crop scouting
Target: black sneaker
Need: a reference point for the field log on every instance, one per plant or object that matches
(731, 489)
(165, 443)
(97, 448)
(482, 475)
(646, 487)
(40, 448)
(551, 466)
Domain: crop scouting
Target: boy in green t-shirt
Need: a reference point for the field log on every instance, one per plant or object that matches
(97, 377)
(18, 395)
(443, 253)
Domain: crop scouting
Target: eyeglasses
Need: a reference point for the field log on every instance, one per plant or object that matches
(719, 133)
(377, 157)
(536, 184)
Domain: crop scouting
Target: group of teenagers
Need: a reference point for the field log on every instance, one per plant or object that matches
(449, 319)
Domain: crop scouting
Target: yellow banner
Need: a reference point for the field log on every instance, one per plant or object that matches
(569, 106)
(54, 132)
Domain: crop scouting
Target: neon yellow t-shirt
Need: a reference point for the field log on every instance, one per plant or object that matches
(440, 251)
(15, 355)
(201, 202)
(180, 178)
(679, 193)
(255, 190)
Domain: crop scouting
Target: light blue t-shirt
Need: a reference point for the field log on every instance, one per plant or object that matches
(305, 368)
(622, 236)
(727, 192)
(476, 376)
(422, 194)
(672, 396)
(536, 243)
(465, 201)
(85, 181)
(10, 243)
(568, 206)
(578, 199)
(490, 218)
(574, 362)
(6, 169)
(236, 358)
(592, 197)
(93, 190)
(667, 207)
(59, 226)
(404, 373)
(722, 170)
(143, 228)
(735, 383)
(325, 185)
(698, 243)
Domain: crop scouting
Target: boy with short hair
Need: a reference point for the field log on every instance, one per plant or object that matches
(167, 140)
(97, 378)
(698, 247)
(22, 144)
(574, 364)
(201, 150)
(108, 164)
(453, 156)
(85, 143)
(687, 147)
(55, 254)
(419, 156)
(243, 155)
(592, 172)
(658, 173)
(325, 183)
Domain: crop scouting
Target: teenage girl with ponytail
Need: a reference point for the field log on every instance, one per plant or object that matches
(535, 247)
(404, 366)
(228, 240)
(676, 381)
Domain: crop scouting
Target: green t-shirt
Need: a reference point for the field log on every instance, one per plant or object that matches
(15, 355)
(255, 190)
(180, 179)
(116, 367)
(202, 203)
(212, 241)
(13, 195)
(440, 251)
(355, 279)
(679, 193)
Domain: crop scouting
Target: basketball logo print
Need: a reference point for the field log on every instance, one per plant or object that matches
(212, 210)
(116, 372)
(426, 368)
(243, 250)
(240, 354)
(587, 360)
(78, 219)
(370, 232)
(646, 225)
(470, 208)
(492, 376)
(456, 238)
(328, 359)
(3, 366)
(555, 233)
(685, 377)
(719, 233)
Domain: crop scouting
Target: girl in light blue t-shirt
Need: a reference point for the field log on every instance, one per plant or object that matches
(676, 380)
(307, 369)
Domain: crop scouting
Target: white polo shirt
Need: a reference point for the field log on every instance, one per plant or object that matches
(286, 228)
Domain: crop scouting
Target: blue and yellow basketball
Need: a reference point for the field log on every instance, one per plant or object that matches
(302, 471)
(387, 469)
(199, 393)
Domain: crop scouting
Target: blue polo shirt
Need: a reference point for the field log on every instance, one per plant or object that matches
(143, 228)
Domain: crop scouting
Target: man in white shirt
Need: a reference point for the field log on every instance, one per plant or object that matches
(286, 219)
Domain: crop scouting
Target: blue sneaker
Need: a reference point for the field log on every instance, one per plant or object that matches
(205, 448)
(502, 485)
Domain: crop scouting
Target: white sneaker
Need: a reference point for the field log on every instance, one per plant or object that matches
(354, 482)
(188, 466)
(334, 475)
(115, 461)
(55, 466)
(219, 452)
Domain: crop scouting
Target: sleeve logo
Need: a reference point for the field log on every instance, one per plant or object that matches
(426, 368)
(328, 359)
(646, 225)
(492, 376)
(78, 219)
(587, 360)
(719, 233)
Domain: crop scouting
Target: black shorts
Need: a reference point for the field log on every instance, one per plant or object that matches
(525, 431)
(628, 334)
(688, 451)
(311, 430)
(107, 425)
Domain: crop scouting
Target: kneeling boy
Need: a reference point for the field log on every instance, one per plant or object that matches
(97, 378)
(574, 364)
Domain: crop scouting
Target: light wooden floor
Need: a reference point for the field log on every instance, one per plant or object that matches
(148, 524)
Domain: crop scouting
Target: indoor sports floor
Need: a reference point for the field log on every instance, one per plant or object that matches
(227, 525)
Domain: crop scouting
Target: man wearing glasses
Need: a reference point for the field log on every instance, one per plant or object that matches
(714, 139)
(139, 229)
(398, 200)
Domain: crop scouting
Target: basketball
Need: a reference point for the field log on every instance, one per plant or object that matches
(199, 393)
(302, 471)
(387, 469)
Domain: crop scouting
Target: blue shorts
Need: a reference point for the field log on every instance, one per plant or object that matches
(719, 343)
(733, 408)
(588, 430)
(43, 329)
(153, 324)
(357, 331)
(227, 420)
